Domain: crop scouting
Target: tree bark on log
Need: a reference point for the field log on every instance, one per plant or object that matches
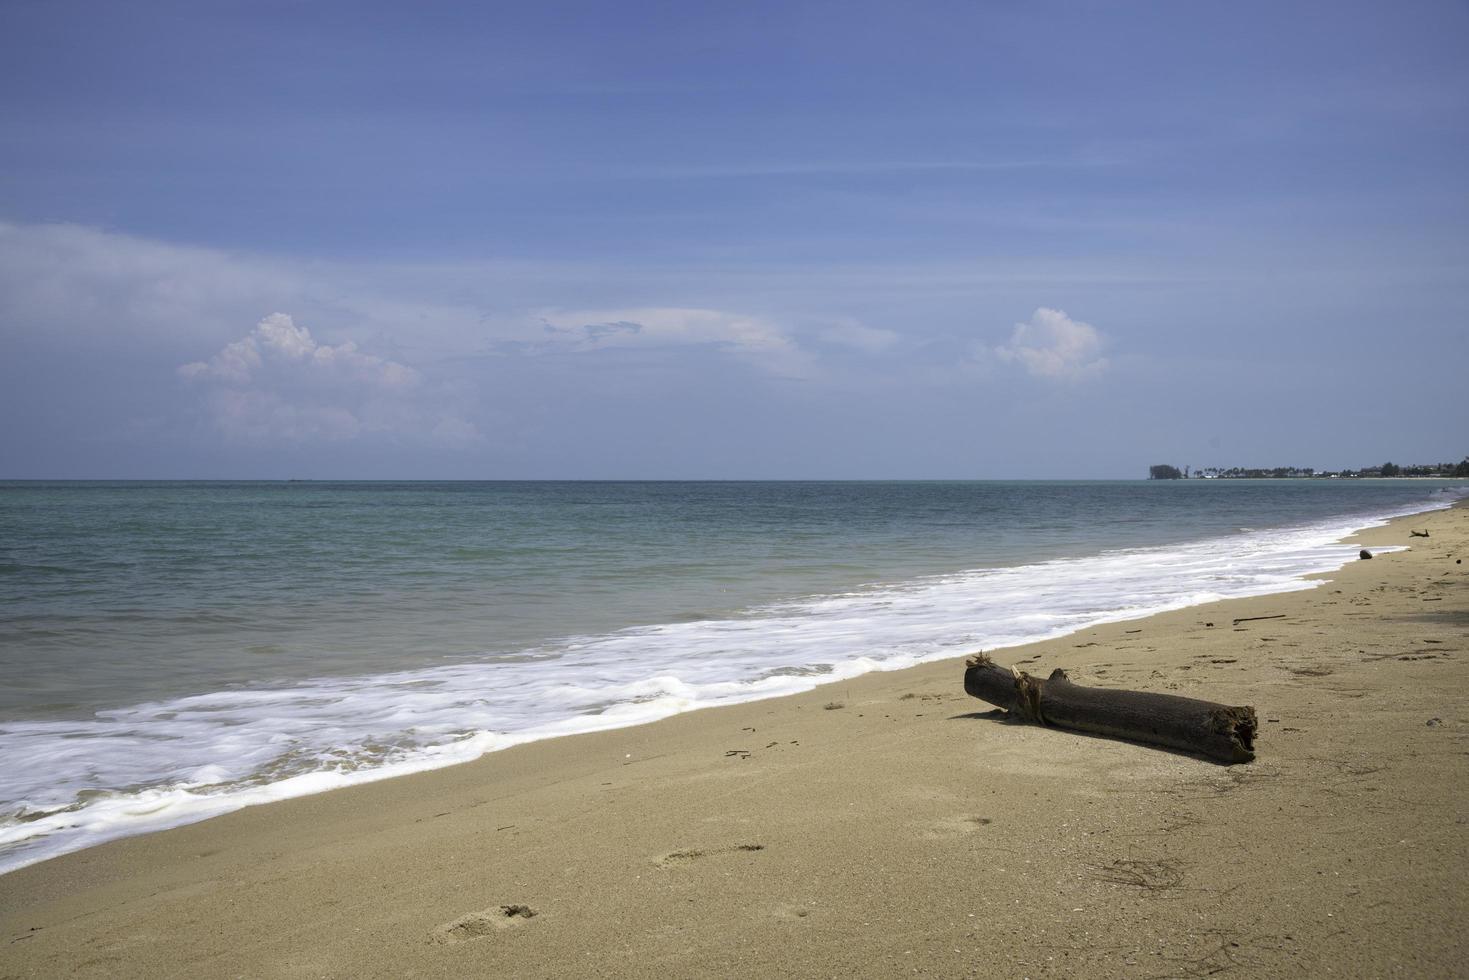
(1220, 732)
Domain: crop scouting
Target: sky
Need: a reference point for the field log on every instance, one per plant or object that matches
(636, 240)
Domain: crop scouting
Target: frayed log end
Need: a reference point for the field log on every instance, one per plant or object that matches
(1238, 726)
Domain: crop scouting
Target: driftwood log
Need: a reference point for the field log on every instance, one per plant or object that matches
(1220, 732)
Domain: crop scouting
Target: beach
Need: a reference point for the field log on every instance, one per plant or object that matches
(883, 825)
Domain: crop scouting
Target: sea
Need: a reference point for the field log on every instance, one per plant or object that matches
(172, 651)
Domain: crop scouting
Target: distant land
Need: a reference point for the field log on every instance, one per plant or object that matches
(1164, 471)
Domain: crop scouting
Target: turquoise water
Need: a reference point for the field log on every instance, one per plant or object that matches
(173, 650)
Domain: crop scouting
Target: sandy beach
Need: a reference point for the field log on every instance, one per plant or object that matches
(888, 825)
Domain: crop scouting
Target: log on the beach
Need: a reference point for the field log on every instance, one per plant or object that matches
(1417, 534)
(1220, 732)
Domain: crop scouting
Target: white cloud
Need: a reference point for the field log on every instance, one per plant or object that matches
(70, 284)
(278, 339)
(392, 350)
(1052, 345)
(756, 339)
(278, 384)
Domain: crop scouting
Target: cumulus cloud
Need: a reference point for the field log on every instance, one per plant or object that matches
(1053, 345)
(279, 384)
(279, 339)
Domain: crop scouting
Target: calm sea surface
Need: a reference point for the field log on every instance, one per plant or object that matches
(174, 650)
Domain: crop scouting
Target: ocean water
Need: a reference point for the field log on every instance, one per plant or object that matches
(172, 651)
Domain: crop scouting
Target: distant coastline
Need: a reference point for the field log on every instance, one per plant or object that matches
(1439, 471)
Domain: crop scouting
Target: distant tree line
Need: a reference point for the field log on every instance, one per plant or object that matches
(1459, 470)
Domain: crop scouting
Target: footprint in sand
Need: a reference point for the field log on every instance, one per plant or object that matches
(477, 925)
(955, 827)
(677, 859)
(791, 913)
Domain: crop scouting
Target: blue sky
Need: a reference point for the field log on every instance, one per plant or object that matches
(320, 239)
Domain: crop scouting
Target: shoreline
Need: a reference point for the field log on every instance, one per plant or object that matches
(880, 823)
(155, 808)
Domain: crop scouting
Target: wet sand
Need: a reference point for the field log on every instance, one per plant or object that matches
(881, 826)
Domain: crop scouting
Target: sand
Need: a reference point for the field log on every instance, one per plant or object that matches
(889, 825)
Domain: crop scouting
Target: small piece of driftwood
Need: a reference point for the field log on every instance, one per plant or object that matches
(1251, 619)
(1220, 732)
(1417, 534)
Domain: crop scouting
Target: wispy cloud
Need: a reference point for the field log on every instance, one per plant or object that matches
(76, 284)
(1054, 346)
(868, 168)
(848, 332)
(757, 340)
